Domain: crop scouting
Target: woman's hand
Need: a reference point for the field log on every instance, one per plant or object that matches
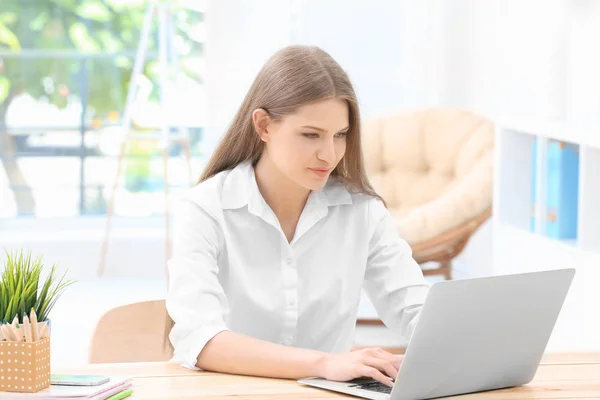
(372, 362)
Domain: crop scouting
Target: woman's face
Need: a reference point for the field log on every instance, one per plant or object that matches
(307, 146)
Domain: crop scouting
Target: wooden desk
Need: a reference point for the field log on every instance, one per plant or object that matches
(560, 376)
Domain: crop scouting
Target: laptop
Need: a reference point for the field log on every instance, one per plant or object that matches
(473, 335)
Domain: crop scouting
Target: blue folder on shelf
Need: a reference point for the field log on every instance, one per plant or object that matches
(562, 190)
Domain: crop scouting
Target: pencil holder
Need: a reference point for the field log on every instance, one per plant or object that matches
(24, 366)
(25, 305)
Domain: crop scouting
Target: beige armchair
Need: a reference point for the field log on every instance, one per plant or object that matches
(434, 168)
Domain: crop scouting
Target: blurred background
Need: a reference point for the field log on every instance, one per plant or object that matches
(529, 67)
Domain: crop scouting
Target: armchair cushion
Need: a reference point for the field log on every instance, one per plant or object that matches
(433, 167)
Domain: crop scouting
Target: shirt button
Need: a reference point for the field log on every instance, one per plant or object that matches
(291, 302)
(289, 261)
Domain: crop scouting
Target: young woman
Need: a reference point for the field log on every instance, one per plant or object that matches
(275, 243)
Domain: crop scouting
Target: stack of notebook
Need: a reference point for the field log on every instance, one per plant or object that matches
(116, 387)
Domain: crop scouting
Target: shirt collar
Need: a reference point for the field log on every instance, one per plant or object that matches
(240, 189)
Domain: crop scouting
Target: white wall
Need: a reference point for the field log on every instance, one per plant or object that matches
(502, 54)
(584, 61)
(241, 36)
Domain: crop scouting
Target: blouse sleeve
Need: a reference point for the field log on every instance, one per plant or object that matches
(195, 300)
(394, 281)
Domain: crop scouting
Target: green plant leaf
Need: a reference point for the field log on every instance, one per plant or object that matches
(38, 23)
(80, 36)
(9, 38)
(20, 289)
(123, 5)
(109, 42)
(65, 3)
(94, 10)
(8, 18)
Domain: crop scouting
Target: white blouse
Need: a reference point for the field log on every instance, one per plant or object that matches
(233, 269)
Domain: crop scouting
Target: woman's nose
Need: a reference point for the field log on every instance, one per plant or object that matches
(327, 151)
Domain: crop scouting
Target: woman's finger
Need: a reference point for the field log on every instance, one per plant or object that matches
(389, 357)
(383, 366)
(375, 374)
(399, 358)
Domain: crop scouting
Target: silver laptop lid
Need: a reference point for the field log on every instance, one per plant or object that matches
(482, 334)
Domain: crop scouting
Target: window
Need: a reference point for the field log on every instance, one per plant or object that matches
(65, 69)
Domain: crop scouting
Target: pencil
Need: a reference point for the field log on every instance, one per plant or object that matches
(44, 330)
(8, 333)
(4, 333)
(34, 327)
(27, 328)
(121, 395)
(15, 329)
(15, 333)
(19, 332)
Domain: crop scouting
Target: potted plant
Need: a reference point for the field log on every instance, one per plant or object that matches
(21, 288)
(26, 300)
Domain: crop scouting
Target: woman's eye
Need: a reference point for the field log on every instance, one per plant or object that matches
(311, 135)
(316, 135)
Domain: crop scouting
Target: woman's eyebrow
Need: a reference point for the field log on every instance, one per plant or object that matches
(316, 128)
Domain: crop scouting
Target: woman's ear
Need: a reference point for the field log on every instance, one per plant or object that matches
(261, 119)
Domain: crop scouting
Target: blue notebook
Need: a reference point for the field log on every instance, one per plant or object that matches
(562, 190)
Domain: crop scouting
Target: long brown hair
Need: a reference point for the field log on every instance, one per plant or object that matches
(294, 76)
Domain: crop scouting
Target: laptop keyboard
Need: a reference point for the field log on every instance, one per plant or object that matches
(374, 386)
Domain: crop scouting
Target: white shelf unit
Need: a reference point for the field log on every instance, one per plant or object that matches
(518, 249)
(514, 178)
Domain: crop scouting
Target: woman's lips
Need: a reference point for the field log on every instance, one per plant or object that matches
(321, 172)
